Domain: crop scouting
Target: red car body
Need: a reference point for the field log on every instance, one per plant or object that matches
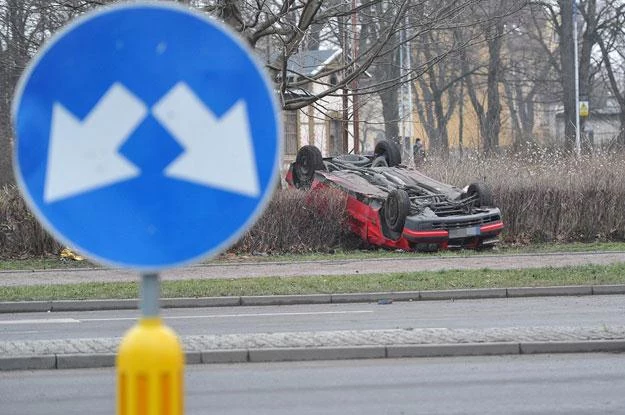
(440, 216)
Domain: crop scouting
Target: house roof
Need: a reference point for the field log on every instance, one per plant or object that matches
(310, 63)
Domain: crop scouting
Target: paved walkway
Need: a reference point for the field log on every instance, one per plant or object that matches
(219, 270)
(326, 345)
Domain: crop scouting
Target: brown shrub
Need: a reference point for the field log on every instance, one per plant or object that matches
(296, 222)
(544, 196)
(21, 235)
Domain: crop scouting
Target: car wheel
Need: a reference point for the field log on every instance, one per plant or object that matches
(307, 161)
(379, 162)
(389, 151)
(353, 159)
(482, 194)
(396, 209)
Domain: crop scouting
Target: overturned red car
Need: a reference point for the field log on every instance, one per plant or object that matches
(393, 206)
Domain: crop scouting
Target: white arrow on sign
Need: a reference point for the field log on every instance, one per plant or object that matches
(217, 152)
(83, 156)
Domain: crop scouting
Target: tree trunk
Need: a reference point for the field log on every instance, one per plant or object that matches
(390, 112)
(6, 149)
(493, 113)
(567, 60)
(620, 139)
(441, 125)
(588, 43)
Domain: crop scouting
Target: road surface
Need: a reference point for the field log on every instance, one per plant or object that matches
(582, 311)
(542, 384)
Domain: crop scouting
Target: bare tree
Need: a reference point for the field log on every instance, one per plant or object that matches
(611, 41)
(561, 15)
(488, 111)
(24, 26)
(428, 27)
(529, 78)
(16, 44)
(437, 93)
(444, 35)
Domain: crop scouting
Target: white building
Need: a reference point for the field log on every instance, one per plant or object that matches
(322, 123)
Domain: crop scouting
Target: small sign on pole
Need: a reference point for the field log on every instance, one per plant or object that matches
(147, 137)
(584, 108)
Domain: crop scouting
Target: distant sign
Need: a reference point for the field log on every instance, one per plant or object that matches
(583, 108)
(147, 136)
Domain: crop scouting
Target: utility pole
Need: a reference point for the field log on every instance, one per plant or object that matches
(405, 89)
(409, 86)
(401, 88)
(578, 147)
(355, 81)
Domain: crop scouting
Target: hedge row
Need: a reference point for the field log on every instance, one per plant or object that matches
(544, 197)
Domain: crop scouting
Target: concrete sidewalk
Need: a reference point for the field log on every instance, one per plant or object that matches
(325, 345)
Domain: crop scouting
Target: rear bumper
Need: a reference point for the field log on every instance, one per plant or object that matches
(470, 236)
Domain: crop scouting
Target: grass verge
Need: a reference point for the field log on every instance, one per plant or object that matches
(57, 263)
(415, 281)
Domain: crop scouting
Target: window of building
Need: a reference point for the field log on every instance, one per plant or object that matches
(290, 132)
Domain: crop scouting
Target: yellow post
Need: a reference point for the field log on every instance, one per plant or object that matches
(150, 371)
(150, 362)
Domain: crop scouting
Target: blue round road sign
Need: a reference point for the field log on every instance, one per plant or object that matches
(147, 136)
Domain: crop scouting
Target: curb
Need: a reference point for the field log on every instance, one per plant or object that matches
(460, 294)
(102, 360)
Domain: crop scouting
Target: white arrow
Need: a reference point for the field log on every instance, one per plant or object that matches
(217, 152)
(83, 156)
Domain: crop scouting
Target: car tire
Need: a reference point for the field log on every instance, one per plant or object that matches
(353, 159)
(307, 161)
(482, 193)
(389, 150)
(396, 209)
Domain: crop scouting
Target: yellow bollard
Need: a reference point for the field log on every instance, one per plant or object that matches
(150, 366)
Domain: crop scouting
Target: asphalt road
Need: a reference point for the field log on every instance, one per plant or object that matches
(540, 384)
(508, 312)
(405, 263)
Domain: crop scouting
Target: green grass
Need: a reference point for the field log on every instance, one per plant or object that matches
(57, 263)
(484, 278)
(42, 263)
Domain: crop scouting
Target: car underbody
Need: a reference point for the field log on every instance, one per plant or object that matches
(393, 206)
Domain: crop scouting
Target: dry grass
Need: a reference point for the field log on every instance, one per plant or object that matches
(544, 197)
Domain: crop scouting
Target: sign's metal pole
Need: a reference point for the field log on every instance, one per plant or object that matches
(150, 361)
(150, 295)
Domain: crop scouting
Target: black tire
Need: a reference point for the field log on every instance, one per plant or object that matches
(482, 193)
(389, 150)
(307, 161)
(379, 161)
(396, 209)
(354, 159)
